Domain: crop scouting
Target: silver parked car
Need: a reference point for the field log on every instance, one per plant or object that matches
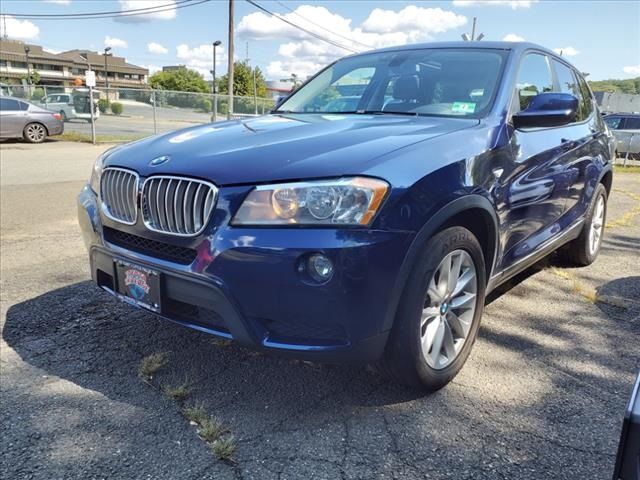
(626, 130)
(21, 119)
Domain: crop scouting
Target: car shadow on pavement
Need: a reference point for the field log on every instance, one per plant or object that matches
(290, 415)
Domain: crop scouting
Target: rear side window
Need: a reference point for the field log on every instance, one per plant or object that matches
(568, 83)
(632, 123)
(9, 104)
(614, 123)
(534, 77)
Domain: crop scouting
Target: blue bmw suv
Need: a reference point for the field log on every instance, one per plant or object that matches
(371, 234)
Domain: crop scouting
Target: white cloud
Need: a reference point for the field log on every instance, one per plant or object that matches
(566, 51)
(154, 47)
(59, 2)
(18, 29)
(494, 3)
(632, 70)
(152, 68)
(512, 37)
(304, 54)
(165, 10)
(200, 57)
(115, 42)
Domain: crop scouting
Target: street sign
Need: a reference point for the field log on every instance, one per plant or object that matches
(90, 78)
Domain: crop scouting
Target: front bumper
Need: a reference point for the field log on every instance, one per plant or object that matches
(245, 283)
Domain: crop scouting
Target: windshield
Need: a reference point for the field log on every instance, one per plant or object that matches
(442, 82)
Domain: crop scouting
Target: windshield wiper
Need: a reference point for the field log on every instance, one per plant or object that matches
(389, 112)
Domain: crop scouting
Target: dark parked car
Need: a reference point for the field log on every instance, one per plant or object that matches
(371, 235)
(626, 130)
(21, 119)
(628, 458)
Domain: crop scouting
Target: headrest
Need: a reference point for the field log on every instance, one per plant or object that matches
(406, 88)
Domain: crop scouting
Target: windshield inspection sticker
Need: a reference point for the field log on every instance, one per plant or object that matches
(463, 107)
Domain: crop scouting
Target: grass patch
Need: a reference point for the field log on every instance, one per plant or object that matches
(627, 169)
(179, 393)
(224, 448)
(625, 220)
(86, 137)
(150, 364)
(589, 293)
(220, 342)
(212, 430)
(196, 414)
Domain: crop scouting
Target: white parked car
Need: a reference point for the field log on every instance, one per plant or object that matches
(73, 105)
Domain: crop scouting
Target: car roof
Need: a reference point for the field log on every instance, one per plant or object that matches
(622, 115)
(514, 46)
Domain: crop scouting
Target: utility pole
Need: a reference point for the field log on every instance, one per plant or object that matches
(26, 52)
(472, 38)
(106, 74)
(214, 111)
(230, 63)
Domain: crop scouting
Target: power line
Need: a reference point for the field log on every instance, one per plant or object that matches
(323, 28)
(111, 14)
(289, 22)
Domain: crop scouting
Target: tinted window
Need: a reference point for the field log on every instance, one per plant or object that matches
(443, 82)
(568, 83)
(632, 123)
(534, 77)
(614, 123)
(9, 104)
(23, 105)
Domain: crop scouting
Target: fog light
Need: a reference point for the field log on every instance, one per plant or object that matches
(320, 268)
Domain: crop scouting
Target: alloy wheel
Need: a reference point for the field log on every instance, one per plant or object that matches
(35, 132)
(449, 309)
(597, 224)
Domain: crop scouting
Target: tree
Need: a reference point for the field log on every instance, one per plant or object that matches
(182, 80)
(243, 81)
(631, 85)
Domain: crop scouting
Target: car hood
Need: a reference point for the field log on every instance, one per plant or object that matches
(281, 147)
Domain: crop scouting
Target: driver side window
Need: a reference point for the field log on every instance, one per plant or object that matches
(534, 77)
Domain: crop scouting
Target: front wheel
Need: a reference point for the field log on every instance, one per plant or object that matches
(439, 315)
(35, 133)
(63, 116)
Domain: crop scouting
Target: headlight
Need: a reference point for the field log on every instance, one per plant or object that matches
(96, 171)
(346, 201)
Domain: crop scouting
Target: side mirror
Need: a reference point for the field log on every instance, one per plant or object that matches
(548, 109)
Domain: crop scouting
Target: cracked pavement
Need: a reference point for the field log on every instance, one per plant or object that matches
(542, 395)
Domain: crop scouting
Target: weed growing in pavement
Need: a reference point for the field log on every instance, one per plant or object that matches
(196, 414)
(179, 393)
(212, 429)
(224, 448)
(150, 364)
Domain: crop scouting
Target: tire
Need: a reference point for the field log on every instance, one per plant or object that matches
(34, 133)
(64, 116)
(583, 251)
(410, 356)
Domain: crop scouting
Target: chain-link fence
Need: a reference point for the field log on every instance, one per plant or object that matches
(123, 113)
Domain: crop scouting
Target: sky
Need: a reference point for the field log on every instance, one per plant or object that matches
(599, 37)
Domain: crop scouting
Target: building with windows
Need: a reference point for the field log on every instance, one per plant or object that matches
(66, 69)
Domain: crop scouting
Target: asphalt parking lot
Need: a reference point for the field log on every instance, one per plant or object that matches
(542, 395)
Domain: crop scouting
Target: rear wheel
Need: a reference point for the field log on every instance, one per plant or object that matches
(35, 133)
(439, 315)
(584, 250)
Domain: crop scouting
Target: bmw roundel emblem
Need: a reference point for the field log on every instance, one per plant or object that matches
(159, 161)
